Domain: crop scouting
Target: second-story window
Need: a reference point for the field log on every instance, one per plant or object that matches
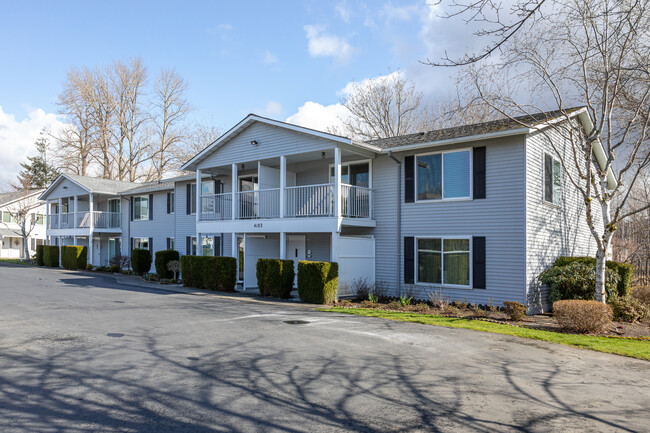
(170, 202)
(141, 208)
(8, 217)
(552, 180)
(444, 175)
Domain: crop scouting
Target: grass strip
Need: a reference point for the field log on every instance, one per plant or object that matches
(632, 347)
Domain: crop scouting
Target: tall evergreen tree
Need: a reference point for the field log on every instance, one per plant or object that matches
(37, 172)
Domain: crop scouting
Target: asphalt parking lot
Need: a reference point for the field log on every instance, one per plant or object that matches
(80, 352)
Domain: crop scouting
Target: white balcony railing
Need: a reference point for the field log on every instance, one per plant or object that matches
(310, 201)
(263, 203)
(300, 201)
(53, 221)
(356, 201)
(216, 207)
(67, 220)
(106, 220)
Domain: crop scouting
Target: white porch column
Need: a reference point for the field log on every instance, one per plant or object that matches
(48, 223)
(198, 197)
(234, 249)
(337, 182)
(74, 240)
(91, 217)
(334, 253)
(283, 245)
(76, 210)
(60, 211)
(234, 194)
(283, 185)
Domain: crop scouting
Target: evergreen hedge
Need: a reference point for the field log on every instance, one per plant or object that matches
(39, 255)
(161, 261)
(74, 257)
(210, 273)
(624, 270)
(140, 261)
(51, 256)
(318, 281)
(275, 277)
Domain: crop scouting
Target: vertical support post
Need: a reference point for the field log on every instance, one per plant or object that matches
(334, 245)
(337, 182)
(283, 245)
(198, 198)
(234, 194)
(60, 213)
(74, 240)
(75, 215)
(234, 248)
(283, 185)
(91, 222)
(48, 223)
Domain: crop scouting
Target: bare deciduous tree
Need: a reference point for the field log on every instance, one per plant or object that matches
(384, 107)
(198, 137)
(22, 214)
(582, 52)
(170, 111)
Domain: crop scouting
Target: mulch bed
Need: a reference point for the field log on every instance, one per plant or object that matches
(544, 322)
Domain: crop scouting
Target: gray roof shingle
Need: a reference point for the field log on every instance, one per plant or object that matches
(96, 184)
(468, 130)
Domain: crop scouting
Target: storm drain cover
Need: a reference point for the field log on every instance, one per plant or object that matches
(296, 322)
(115, 334)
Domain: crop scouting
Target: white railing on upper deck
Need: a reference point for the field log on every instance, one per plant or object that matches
(53, 221)
(356, 201)
(262, 203)
(106, 220)
(215, 207)
(67, 220)
(310, 201)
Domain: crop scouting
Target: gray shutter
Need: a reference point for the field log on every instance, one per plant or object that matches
(151, 245)
(217, 245)
(131, 208)
(168, 202)
(131, 251)
(409, 260)
(409, 179)
(478, 262)
(188, 199)
(479, 172)
(188, 245)
(150, 207)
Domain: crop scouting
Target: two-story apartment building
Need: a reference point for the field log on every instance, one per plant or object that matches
(474, 212)
(11, 204)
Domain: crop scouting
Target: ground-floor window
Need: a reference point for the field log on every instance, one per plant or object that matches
(114, 247)
(443, 261)
(207, 246)
(170, 243)
(141, 243)
(190, 247)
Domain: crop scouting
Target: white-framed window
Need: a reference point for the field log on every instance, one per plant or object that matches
(443, 175)
(141, 243)
(141, 208)
(444, 261)
(115, 205)
(193, 245)
(207, 246)
(552, 180)
(355, 173)
(170, 243)
(170, 202)
(8, 217)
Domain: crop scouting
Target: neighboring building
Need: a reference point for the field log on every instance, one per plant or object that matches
(10, 231)
(474, 212)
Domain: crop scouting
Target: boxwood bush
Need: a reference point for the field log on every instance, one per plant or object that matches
(211, 273)
(51, 256)
(625, 271)
(275, 277)
(577, 280)
(39, 255)
(74, 257)
(161, 261)
(140, 261)
(318, 281)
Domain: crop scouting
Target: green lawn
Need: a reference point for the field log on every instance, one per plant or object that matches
(15, 262)
(635, 348)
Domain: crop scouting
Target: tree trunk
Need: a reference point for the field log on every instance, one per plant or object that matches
(601, 296)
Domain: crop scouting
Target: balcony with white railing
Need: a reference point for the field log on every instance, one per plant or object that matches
(82, 220)
(299, 202)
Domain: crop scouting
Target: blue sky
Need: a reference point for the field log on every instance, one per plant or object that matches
(272, 58)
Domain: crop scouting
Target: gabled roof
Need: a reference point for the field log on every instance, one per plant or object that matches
(91, 184)
(249, 120)
(10, 197)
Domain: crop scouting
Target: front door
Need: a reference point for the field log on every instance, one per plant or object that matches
(96, 252)
(296, 251)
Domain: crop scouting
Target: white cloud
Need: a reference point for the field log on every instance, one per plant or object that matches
(269, 58)
(349, 88)
(17, 139)
(321, 44)
(271, 109)
(224, 27)
(343, 11)
(402, 13)
(320, 117)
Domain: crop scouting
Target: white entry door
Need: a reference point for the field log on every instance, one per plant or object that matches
(296, 251)
(96, 252)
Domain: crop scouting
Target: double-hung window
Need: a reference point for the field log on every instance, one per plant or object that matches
(444, 175)
(552, 180)
(444, 261)
(141, 208)
(141, 243)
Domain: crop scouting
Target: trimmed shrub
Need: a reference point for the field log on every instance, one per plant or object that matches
(74, 257)
(161, 261)
(51, 256)
(582, 316)
(39, 255)
(140, 261)
(275, 277)
(577, 280)
(515, 310)
(114, 269)
(318, 281)
(211, 273)
(89, 267)
(628, 309)
(624, 270)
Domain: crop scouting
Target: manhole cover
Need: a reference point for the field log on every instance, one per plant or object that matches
(296, 322)
(115, 334)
